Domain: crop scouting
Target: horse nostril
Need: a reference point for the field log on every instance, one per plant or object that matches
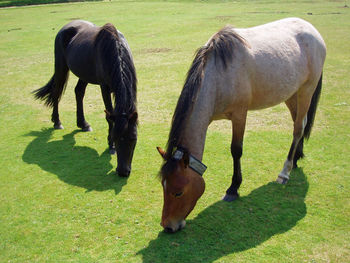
(168, 230)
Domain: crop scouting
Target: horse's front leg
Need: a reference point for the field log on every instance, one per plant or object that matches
(238, 126)
(79, 96)
(106, 95)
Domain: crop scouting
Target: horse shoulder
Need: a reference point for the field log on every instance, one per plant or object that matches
(229, 88)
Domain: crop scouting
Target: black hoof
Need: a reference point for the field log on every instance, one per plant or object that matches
(112, 151)
(58, 126)
(86, 129)
(230, 198)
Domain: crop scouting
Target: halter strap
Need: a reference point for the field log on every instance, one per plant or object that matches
(195, 164)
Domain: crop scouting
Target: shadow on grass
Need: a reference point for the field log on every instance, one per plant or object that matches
(226, 228)
(75, 165)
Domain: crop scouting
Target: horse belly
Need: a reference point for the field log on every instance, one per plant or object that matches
(277, 76)
(270, 96)
(81, 61)
(86, 74)
(83, 68)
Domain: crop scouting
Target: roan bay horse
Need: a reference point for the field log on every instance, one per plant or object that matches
(97, 55)
(235, 71)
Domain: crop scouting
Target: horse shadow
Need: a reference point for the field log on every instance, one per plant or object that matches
(75, 165)
(225, 228)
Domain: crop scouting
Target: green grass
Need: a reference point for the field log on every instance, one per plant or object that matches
(60, 200)
(8, 3)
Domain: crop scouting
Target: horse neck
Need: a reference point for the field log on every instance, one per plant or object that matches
(198, 121)
(124, 97)
(126, 79)
(120, 99)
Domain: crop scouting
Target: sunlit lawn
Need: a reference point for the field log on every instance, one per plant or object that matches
(60, 200)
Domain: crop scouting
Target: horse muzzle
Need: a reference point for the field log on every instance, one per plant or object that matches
(123, 172)
(172, 227)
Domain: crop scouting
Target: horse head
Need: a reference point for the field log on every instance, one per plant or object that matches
(124, 136)
(182, 187)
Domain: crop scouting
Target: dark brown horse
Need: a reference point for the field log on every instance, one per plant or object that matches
(236, 71)
(97, 55)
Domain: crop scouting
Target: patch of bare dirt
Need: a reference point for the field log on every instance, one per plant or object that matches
(154, 50)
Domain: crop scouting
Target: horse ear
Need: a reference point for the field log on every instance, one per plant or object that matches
(134, 116)
(161, 152)
(186, 159)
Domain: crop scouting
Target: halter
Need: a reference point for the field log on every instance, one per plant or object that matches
(195, 164)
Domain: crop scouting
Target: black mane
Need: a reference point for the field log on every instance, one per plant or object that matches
(221, 45)
(118, 63)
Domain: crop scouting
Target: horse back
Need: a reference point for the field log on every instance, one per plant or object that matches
(283, 55)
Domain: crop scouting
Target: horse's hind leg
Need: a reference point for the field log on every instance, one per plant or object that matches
(299, 152)
(238, 127)
(55, 118)
(60, 79)
(292, 106)
(59, 83)
(79, 96)
(299, 115)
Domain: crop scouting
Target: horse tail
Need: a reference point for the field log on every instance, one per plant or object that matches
(44, 92)
(52, 92)
(312, 109)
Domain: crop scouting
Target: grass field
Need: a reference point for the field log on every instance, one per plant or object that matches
(11, 3)
(60, 200)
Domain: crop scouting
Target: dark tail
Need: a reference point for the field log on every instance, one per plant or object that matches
(54, 89)
(45, 93)
(312, 109)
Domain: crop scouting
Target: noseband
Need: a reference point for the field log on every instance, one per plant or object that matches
(195, 164)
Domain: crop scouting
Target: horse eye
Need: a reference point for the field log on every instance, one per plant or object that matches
(178, 194)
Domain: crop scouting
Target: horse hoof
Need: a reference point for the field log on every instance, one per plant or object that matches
(58, 127)
(281, 180)
(112, 151)
(229, 198)
(87, 129)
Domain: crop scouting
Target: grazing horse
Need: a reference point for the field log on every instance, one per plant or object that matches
(235, 71)
(97, 55)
